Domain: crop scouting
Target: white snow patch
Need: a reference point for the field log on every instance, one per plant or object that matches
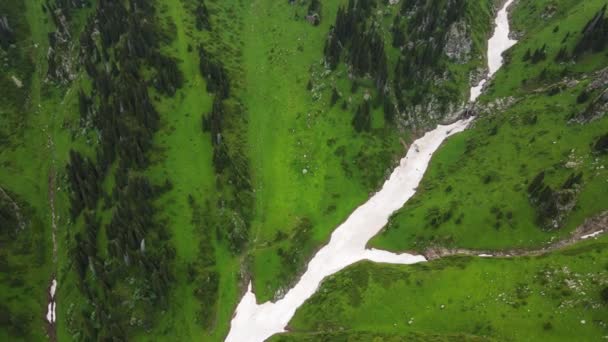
(592, 235)
(53, 288)
(498, 43)
(381, 256)
(50, 313)
(476, 91)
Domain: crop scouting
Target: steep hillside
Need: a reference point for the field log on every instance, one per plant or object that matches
(162, 153)
(528, 172)
(531, 169)
(158, 155)
(325, 132)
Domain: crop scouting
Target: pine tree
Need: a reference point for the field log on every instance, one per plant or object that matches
(562, 55)
(362, 119)
(389, 110)
(595, 34)
(601, 145)
(539, 54)
(334, 96)
(527, 55)
(202, 17)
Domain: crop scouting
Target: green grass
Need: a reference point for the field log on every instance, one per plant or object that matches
(25, 264)
(182, 155)
(365, 336)
(17, 66)
(554, 297)
(184, 158)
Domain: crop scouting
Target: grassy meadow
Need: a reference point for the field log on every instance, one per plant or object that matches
(554, 297)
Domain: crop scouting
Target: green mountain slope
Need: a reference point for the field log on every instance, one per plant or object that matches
(537, 116)
(156, 156)
(309, 167)
(529, 171)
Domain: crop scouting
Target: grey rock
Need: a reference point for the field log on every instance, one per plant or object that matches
(458, 44)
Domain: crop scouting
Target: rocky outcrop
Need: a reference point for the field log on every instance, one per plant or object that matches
(600, 80)
(596, 110)
(430, 112)
(599, 105)
(497, 106)
(458, 44)
(61, 67)
(549, 11)
(477, 75)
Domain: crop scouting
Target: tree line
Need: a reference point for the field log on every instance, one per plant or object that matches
(420, 62)
(361, 45)
(229, 158)
(136, 254)
(419, 31)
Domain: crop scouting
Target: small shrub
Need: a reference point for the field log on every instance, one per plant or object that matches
(582, 97)
(601, 145)
(604, 295)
